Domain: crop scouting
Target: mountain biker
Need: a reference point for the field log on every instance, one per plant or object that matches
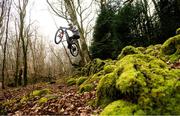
(75, 32)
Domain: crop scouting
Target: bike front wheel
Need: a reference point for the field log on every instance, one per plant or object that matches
(74, 50)
(58, 36)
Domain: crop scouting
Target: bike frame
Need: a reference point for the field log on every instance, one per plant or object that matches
(67, 35)
(74, 49)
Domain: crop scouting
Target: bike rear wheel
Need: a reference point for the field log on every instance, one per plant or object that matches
(74, 50)
(58, 36)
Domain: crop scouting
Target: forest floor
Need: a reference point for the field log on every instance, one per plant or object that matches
(68, 101)
(62, 99)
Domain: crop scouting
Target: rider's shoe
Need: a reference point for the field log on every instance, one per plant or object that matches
(69, 46)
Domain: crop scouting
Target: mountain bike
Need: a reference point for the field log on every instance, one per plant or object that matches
(60, 34)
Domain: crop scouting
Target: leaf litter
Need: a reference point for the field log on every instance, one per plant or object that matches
(67, 101)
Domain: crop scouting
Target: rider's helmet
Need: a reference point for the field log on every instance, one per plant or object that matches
(70, 25)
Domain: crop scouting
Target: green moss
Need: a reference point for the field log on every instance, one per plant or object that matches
(71, 81)
(8, 106)
(93, 67)
(121, 107)
(93, 79)
(43, 100)
(171, 48)
(109, 68)
(128, 50)
(175, 72)
(178, 31)
(37, 96)
(106, 91)
(40, 92)
(94, 71)
(153, 50)
(142, 49)
(46, 98)
(86, 88)
(157, 63)
(141, 79)
(9, 102)
(81, 80)
(174, 57)
(24, 99)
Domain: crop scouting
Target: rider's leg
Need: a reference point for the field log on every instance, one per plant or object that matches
(69, 42)
(76, 36)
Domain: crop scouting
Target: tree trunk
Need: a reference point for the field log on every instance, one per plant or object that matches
(17, 62)
(3, 67)
(84, 49)
(20, 77)
(4, 50)
(25, 69)
(22, 14)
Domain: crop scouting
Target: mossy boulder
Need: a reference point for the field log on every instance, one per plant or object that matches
(46, 98)
(86, 88)
(142, 49)
(92, 80)
(143, 80)
(139, 81)
(178, 31)
(153, 50)
(71, 81)
(93, 72)
(40, 92)
(34, 94)
(171, 48)
(106, 90)
(123, 108)
(109, 68)
(80, 80)
(93, 67)
(43, 100)
(128, 50)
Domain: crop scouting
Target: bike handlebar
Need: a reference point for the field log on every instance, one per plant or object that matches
(63, 28)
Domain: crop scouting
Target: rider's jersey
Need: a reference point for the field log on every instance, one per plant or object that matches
(74, 30)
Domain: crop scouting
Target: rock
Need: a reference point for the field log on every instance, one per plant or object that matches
(171, 48)
(128, 50)
(121, 107)
(71, 81)
(144, 80)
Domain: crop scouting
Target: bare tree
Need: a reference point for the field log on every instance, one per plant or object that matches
(5, 43)
(2, 16)
(17, 53)
(58, 58)
(33, 49)
(79, 14)
(23, 34)
(37, 48)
